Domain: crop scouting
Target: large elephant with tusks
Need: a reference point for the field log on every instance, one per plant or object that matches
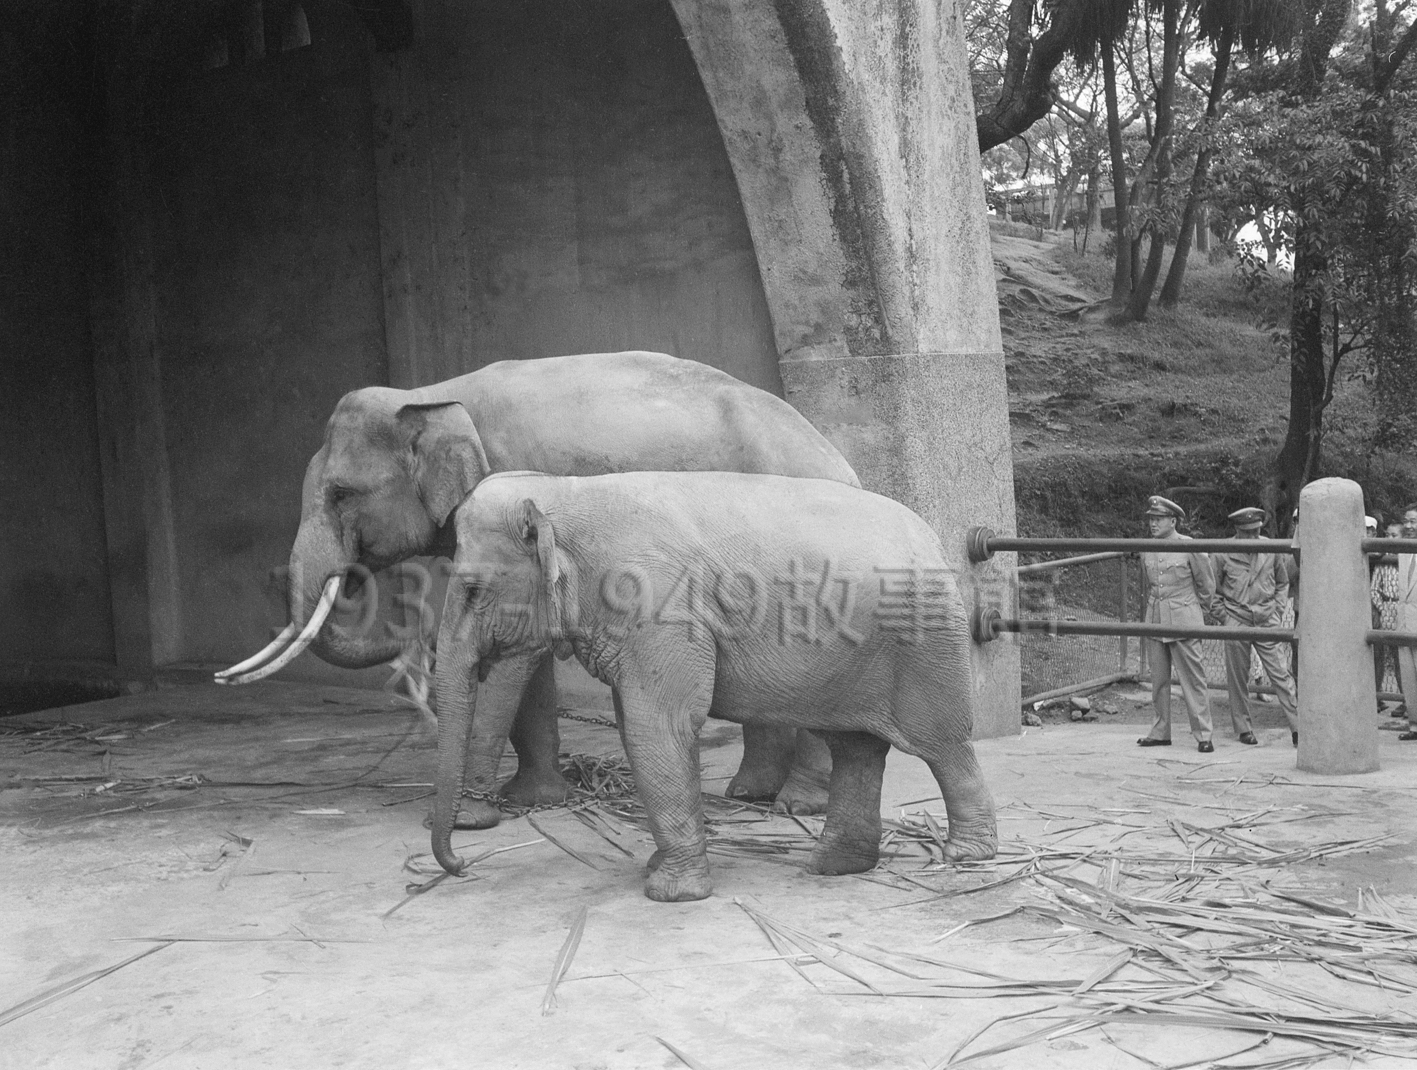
(395, 464)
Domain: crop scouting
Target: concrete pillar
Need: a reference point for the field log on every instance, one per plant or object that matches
(850, 128)
(1338, 726)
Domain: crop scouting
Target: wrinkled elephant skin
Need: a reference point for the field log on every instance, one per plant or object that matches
(395, 463)
(779, 603)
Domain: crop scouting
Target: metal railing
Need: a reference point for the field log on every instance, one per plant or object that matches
(988, 623)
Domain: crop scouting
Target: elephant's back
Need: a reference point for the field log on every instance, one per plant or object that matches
(596, 413)
(772, 517)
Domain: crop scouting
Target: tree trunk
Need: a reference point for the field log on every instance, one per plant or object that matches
(1394, 347)
(1298, 459)
(1094, 198)
(1165, 121)
(1122, 269)
(1203, 228)
(1176, 274)
(1064, 193)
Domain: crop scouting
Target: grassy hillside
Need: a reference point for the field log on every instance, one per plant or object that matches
(1198, 397)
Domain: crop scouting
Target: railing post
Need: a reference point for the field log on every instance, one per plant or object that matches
(1122, 615)
(1338, 723)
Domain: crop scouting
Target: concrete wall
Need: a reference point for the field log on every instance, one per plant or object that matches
(53, 573)
(552, 181)
(268, 309)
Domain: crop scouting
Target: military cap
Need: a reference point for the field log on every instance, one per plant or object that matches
(1156, 505)
(1250, 517)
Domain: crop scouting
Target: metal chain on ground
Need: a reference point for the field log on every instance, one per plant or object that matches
(587, 720)
(509, 807)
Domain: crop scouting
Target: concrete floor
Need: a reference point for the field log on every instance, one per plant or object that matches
(274, 875)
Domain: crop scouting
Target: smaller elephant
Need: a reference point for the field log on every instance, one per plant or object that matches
(766, 600)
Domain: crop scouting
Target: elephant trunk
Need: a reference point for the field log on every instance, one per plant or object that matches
(457, 704)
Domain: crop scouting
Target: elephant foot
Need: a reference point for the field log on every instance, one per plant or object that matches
(681, 882)
(751, 789)
(806, 789)
(971, 849)
(768, 754)
(836, 859)
(804, 793)
(537, 786)
(472, 814)
(477, 814)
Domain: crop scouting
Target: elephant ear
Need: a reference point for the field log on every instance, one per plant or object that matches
(539, 534)
(448, 458)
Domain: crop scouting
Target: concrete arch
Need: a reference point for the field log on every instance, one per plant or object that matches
(850, 128)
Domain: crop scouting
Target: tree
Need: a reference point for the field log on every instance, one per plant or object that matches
(1259, 25)
(1157, 167)
(1390, 228)
(1013, 70)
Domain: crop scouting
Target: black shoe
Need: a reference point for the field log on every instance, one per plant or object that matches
(1248, 738)
(1296, 738)
(1147, 741)
(1407, 735)
(1205, 746)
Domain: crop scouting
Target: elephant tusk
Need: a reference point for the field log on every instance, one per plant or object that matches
(270, 650)
(304, 639)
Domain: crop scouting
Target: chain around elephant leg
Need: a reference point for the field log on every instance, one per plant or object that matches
(536, 737)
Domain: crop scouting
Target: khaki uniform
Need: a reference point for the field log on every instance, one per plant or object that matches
(1178, 585)
(1250, 590)
(1407, 622)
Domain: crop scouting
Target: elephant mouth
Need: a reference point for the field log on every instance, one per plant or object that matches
(284, 649)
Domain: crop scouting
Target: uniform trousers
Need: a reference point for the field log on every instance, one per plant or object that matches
(1185, 655)
(1275, 659)
(1407, 677)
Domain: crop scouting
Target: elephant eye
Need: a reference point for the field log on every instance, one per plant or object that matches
(339, 495)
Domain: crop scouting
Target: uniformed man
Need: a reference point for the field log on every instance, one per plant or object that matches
(1250, 590)
(1178, 585)
(1407, 621)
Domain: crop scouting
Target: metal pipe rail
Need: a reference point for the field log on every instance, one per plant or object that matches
(1067, 562)
(982, 544)
(989, 622)
(1389, 546)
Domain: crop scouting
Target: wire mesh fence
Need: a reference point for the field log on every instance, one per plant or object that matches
(1101, 587)
(1106, 587)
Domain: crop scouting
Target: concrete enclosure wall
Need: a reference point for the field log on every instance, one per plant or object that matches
(268, 308)
(552, 181)
(53, 564)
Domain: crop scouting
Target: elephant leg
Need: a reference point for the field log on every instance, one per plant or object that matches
(536, 737)
(973, 833)
(767, 761)
(498, 699)
(851, 838)
(661, 733)
(805, 791)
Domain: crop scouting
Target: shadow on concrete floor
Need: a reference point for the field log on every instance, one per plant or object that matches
(254, 842)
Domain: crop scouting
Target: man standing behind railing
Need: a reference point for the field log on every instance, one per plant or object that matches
(1178, 585)
(1407, 622)
(1250, 590)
